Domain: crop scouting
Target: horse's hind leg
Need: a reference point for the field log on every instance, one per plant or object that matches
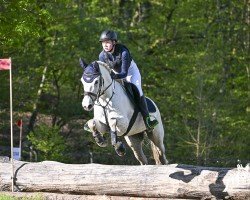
(157, 147)
(135, 143)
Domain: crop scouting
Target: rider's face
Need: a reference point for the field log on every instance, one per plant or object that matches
(107, 45)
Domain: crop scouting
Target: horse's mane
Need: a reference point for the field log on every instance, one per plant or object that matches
(108, 68)
(105, 65)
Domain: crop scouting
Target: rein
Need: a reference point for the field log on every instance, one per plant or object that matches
(103, 92)
(100, 94)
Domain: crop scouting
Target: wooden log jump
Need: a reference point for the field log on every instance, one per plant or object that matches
(164, 181)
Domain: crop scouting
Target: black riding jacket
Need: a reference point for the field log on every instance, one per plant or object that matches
(119, 60)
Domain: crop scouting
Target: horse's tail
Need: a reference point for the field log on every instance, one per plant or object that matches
(157, 154)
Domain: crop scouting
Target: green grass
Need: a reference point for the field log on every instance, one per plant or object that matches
(10, 197)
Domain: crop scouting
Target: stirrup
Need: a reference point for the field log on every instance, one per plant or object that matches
(151, 123)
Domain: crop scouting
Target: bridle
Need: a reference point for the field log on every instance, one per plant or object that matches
(95, 96)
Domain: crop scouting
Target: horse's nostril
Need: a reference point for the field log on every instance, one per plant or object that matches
(89, 107)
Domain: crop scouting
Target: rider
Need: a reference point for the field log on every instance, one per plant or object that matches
(118, 57)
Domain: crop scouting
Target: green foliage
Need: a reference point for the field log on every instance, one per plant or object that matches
(49, 143)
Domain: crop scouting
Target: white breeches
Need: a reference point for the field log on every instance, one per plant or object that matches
(134, 76)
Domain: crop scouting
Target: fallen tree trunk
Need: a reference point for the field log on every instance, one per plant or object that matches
(167, 181)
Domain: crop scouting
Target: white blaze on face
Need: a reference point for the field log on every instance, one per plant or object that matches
(87, 103)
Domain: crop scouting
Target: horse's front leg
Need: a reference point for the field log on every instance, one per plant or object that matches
(97, 129)
(118, 145)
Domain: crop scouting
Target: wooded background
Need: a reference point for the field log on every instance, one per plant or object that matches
(194, 60)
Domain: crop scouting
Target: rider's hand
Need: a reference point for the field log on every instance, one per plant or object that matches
(113, 75)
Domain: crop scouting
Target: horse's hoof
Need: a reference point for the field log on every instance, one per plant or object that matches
(86, 128)
(100, 140)
(120, 149)
(102, 144)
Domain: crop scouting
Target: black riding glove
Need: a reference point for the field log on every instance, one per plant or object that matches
(113, 75)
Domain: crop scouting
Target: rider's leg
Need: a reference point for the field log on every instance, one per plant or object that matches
(134, 77)
(150, 123)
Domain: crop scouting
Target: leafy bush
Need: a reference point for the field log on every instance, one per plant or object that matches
(49, 143)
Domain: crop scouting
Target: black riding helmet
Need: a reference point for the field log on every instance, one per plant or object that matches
(108, 35)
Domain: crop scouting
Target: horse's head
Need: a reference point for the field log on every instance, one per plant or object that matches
(92, 82)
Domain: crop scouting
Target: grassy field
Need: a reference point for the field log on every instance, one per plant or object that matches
(19, 197)
(55, 196)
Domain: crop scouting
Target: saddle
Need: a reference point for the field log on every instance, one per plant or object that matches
(134, 96)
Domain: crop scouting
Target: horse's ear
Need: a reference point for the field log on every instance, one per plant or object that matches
(96, 66)
(83, 63)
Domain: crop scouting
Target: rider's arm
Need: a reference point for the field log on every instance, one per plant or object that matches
(126, 61)
(101, 57)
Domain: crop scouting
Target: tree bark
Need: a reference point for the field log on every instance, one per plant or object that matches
(166, 181)
(35, 109)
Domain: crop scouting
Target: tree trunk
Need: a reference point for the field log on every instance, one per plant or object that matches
(165, 181)
(35, 109)
(42, 49)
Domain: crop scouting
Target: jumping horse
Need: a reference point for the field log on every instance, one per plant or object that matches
(116, 113)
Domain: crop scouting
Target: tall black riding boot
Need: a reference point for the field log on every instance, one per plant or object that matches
(150, 124)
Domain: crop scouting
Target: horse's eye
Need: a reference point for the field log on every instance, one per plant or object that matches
(96, 82)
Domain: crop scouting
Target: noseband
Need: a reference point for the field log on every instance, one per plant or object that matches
(95, 96)
(92, 95)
